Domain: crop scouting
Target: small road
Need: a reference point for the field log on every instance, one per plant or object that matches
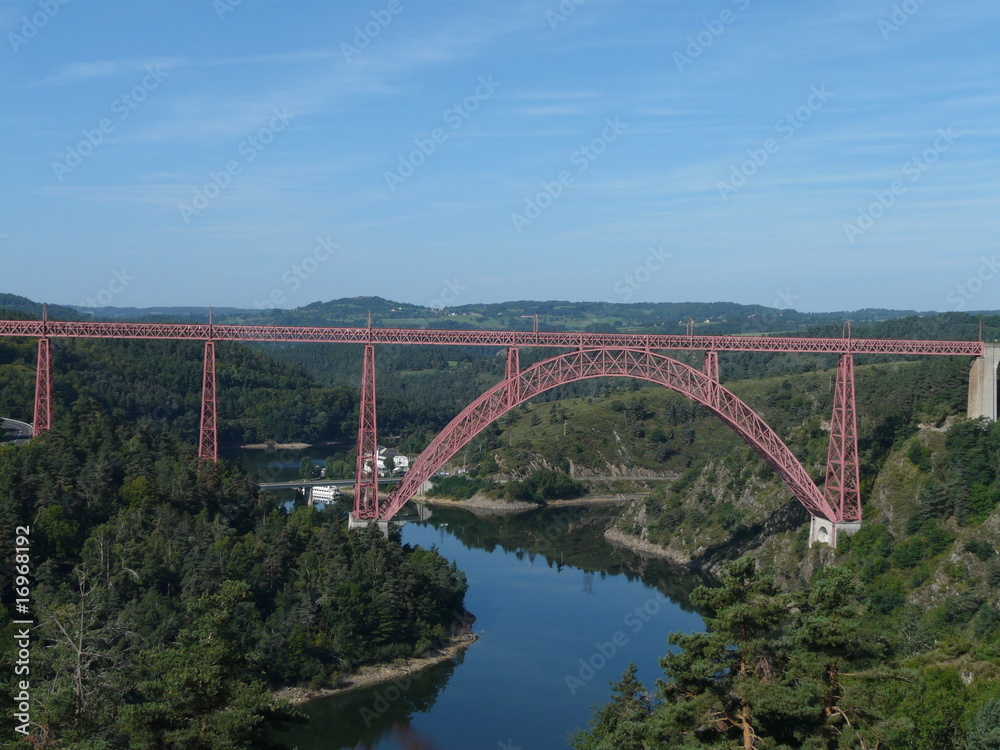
(14, 432)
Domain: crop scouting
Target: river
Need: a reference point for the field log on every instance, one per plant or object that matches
(560, 614)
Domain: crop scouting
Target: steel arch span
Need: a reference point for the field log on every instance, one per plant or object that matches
(521, 385)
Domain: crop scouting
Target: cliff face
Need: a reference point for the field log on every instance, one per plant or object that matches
(726, 511)
(932, 565)
(930, 478)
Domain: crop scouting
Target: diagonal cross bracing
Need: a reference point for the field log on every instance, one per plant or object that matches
(843, 484)
(208, 436)
(591, 363)
(366, 468)
(43, 389)
(636, 341)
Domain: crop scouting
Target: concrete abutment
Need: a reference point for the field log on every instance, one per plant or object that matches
(983, 384)
(360, 523)
(824, 531)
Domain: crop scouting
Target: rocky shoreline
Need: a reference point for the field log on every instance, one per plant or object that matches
(481, 504)
(619, 538)
(491, 506)
(375, 674)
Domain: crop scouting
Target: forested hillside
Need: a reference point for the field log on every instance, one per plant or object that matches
(810, 669)
(554, 315)
(160, 381)
(171, 597)
(906, 613)
(923, 571)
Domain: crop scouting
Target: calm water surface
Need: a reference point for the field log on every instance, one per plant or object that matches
(548, 592)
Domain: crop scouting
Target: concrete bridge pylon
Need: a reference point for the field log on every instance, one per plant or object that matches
(983, 384)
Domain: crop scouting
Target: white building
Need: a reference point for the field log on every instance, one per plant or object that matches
(324, 493)
(389, 461)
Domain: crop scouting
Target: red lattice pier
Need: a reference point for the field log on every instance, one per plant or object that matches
(592, 355)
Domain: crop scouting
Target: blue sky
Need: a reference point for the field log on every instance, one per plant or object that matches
(820, 155)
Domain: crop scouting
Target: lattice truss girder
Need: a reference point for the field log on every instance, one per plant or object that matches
(366, 504)
(208, 442)
(843, 483)
(590, 363)
(43, 389)
(202, 332)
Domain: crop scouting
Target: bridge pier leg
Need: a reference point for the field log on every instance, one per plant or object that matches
(843, 484)
(43, 389)
(208, 439)
(824, 531)
(511, 372)
(983, 384)
(366, 469)
(711, 367)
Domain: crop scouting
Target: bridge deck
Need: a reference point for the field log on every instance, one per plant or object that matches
(307, 334)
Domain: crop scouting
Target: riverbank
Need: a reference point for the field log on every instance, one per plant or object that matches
(287, 446)
(492, 506)
(276, 446)
(377, 673)
(480, 504)
(619, 538)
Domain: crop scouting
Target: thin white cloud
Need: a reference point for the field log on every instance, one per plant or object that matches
(80, 71)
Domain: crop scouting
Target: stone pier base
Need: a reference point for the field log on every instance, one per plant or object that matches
(363, 523)
(822, 531)
(983, 384)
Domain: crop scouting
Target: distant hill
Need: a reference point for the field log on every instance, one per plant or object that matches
(16, 307)
(552, 315)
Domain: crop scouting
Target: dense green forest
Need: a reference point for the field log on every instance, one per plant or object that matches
(160, 381)
(553, 315)
(922, 573)
(813, 669)
(171, 597)
(918, 583)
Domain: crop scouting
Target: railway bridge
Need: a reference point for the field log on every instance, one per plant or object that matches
(834, 509)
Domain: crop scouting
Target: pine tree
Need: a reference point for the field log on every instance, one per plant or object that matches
(620, 724)
(984, 734)
(203, 693)
(830, 630)
(728, 685)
